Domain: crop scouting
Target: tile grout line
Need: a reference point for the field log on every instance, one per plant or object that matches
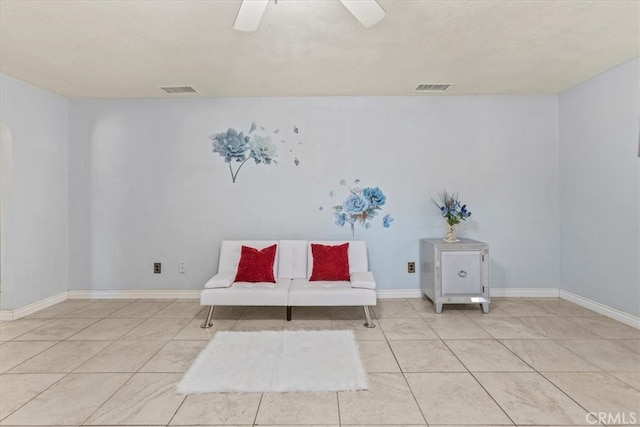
(633, 387)
(479, 383)
(559, 342)
(8, 371)
(255, 418)
(565, 393)
(184, 399)
(338, 403)
(131, 375)
(25, 332)
(404, 376)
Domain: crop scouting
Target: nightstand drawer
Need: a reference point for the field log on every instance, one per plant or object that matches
(461, 272)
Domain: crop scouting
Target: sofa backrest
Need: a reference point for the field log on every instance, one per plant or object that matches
(294, 259)
(230, 251)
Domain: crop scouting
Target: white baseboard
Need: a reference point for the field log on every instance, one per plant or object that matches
(135, 294)
(398, 293)
(33, 307)
(605, 310)
(525, 292)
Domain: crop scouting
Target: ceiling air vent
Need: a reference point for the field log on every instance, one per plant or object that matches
(171, 90)
(433, 87)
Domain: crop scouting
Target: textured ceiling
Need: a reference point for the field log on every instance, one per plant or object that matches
(127, 49)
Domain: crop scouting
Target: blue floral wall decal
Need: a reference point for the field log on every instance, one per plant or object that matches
(238, 147)
(387, 220)
(361, 206)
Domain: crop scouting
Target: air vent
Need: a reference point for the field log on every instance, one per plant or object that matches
(171, 90)
(433, 87)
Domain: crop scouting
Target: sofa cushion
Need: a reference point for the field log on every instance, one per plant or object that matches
(244, 293)
(306, 293)
(363, 279)
(224, 279)
(256, 265)
(330, 262)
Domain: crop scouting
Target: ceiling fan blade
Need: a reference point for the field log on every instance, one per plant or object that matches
(368, 12)
(250, 14)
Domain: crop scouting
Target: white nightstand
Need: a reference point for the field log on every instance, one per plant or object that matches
(455, 273)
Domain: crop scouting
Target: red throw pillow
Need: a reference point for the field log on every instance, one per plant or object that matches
(330, 262)
(256, 265)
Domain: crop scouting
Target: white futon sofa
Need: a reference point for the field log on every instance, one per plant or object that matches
(292, 269)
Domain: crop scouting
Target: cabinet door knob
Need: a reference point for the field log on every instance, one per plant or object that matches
(462, 273)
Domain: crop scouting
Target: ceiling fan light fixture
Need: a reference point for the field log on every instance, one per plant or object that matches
(250, 15)
(368, 12)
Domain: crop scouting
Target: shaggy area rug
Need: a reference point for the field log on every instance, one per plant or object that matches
(276, 361)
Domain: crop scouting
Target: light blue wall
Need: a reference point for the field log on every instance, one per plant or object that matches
(600, 188)
(145, 186)
(554, 186)
(35, 235)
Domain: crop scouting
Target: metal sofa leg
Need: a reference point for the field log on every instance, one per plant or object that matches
(207, 323)
(288, 313)
(368, 323)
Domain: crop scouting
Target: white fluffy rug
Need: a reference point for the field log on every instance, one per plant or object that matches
(276, 361)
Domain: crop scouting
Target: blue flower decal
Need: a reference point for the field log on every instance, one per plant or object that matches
(238, 147)
(355, 204)
(374, 196)
(341, 218)
(262, 150)
(361, 207)
(230, 144)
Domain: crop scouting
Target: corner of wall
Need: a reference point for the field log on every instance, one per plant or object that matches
(598, 144)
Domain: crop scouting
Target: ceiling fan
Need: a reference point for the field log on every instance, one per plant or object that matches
(368, 12)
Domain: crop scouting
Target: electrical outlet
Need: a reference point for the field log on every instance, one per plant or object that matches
(182, 269)
(411, 267)
(157, 267)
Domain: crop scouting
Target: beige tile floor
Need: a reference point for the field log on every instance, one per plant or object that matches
(528, 362)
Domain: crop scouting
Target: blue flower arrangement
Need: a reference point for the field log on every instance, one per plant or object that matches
(361, 207)
(451, 209)
(237, 147)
